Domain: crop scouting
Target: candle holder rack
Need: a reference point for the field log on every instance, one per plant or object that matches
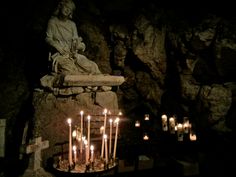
(83, 159)
(98, 167)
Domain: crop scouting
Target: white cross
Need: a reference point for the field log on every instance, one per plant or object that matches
(36, 148)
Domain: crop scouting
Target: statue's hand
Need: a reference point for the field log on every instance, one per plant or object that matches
(80, 39)
(81, 46)
(62, 51)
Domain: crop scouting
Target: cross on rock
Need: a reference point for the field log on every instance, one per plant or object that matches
(36, 149)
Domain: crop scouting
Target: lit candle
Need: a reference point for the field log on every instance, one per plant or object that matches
(110, 138)
(104, 132)
(192, 137)
(88, 134)
(92, 153)
(75, 158)
(106, 150)
(70, 142)
(186, 124)
(86, 151)
(180, 132)
(81, 129)
(172, 125)
(115, 143)
(186, 127)
(145, 137)
(164, 122)
(146, 117)
(137, 123)
(74, 134)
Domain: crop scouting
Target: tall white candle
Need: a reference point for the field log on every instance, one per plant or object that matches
(92, 153)
(70, 142)
(86, 151)
(110, 137)
(116, 135)
(104, 132)
(81, 129)
(88, 134)
(106, 149)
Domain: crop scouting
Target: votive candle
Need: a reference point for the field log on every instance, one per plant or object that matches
(116, 136)
(70, 142)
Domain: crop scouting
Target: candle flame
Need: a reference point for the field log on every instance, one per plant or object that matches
(137, 124)
(74, 148)
(146, 117)
(69, 121)
(74, 133)
(82, 112)
(105, 136)
(164, 116)
(89, 117)
(91, 147)
(145, 137)
(192, 137)
(105, 111)
(117, 120)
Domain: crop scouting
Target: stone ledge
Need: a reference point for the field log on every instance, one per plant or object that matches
(92, 80)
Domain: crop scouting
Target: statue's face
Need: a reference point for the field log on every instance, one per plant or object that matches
(66, 10)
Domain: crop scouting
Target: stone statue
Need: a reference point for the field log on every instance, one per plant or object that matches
(65, 44)
(71, 72)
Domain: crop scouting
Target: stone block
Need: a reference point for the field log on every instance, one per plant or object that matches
(189, 168)
(126, 166)
(145, 162)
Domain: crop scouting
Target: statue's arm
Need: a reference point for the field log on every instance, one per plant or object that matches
(80, 44)
(50, 38)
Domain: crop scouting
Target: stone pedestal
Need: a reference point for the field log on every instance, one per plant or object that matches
(52, 112)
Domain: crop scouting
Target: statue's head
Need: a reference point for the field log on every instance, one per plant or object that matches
(65, 3)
